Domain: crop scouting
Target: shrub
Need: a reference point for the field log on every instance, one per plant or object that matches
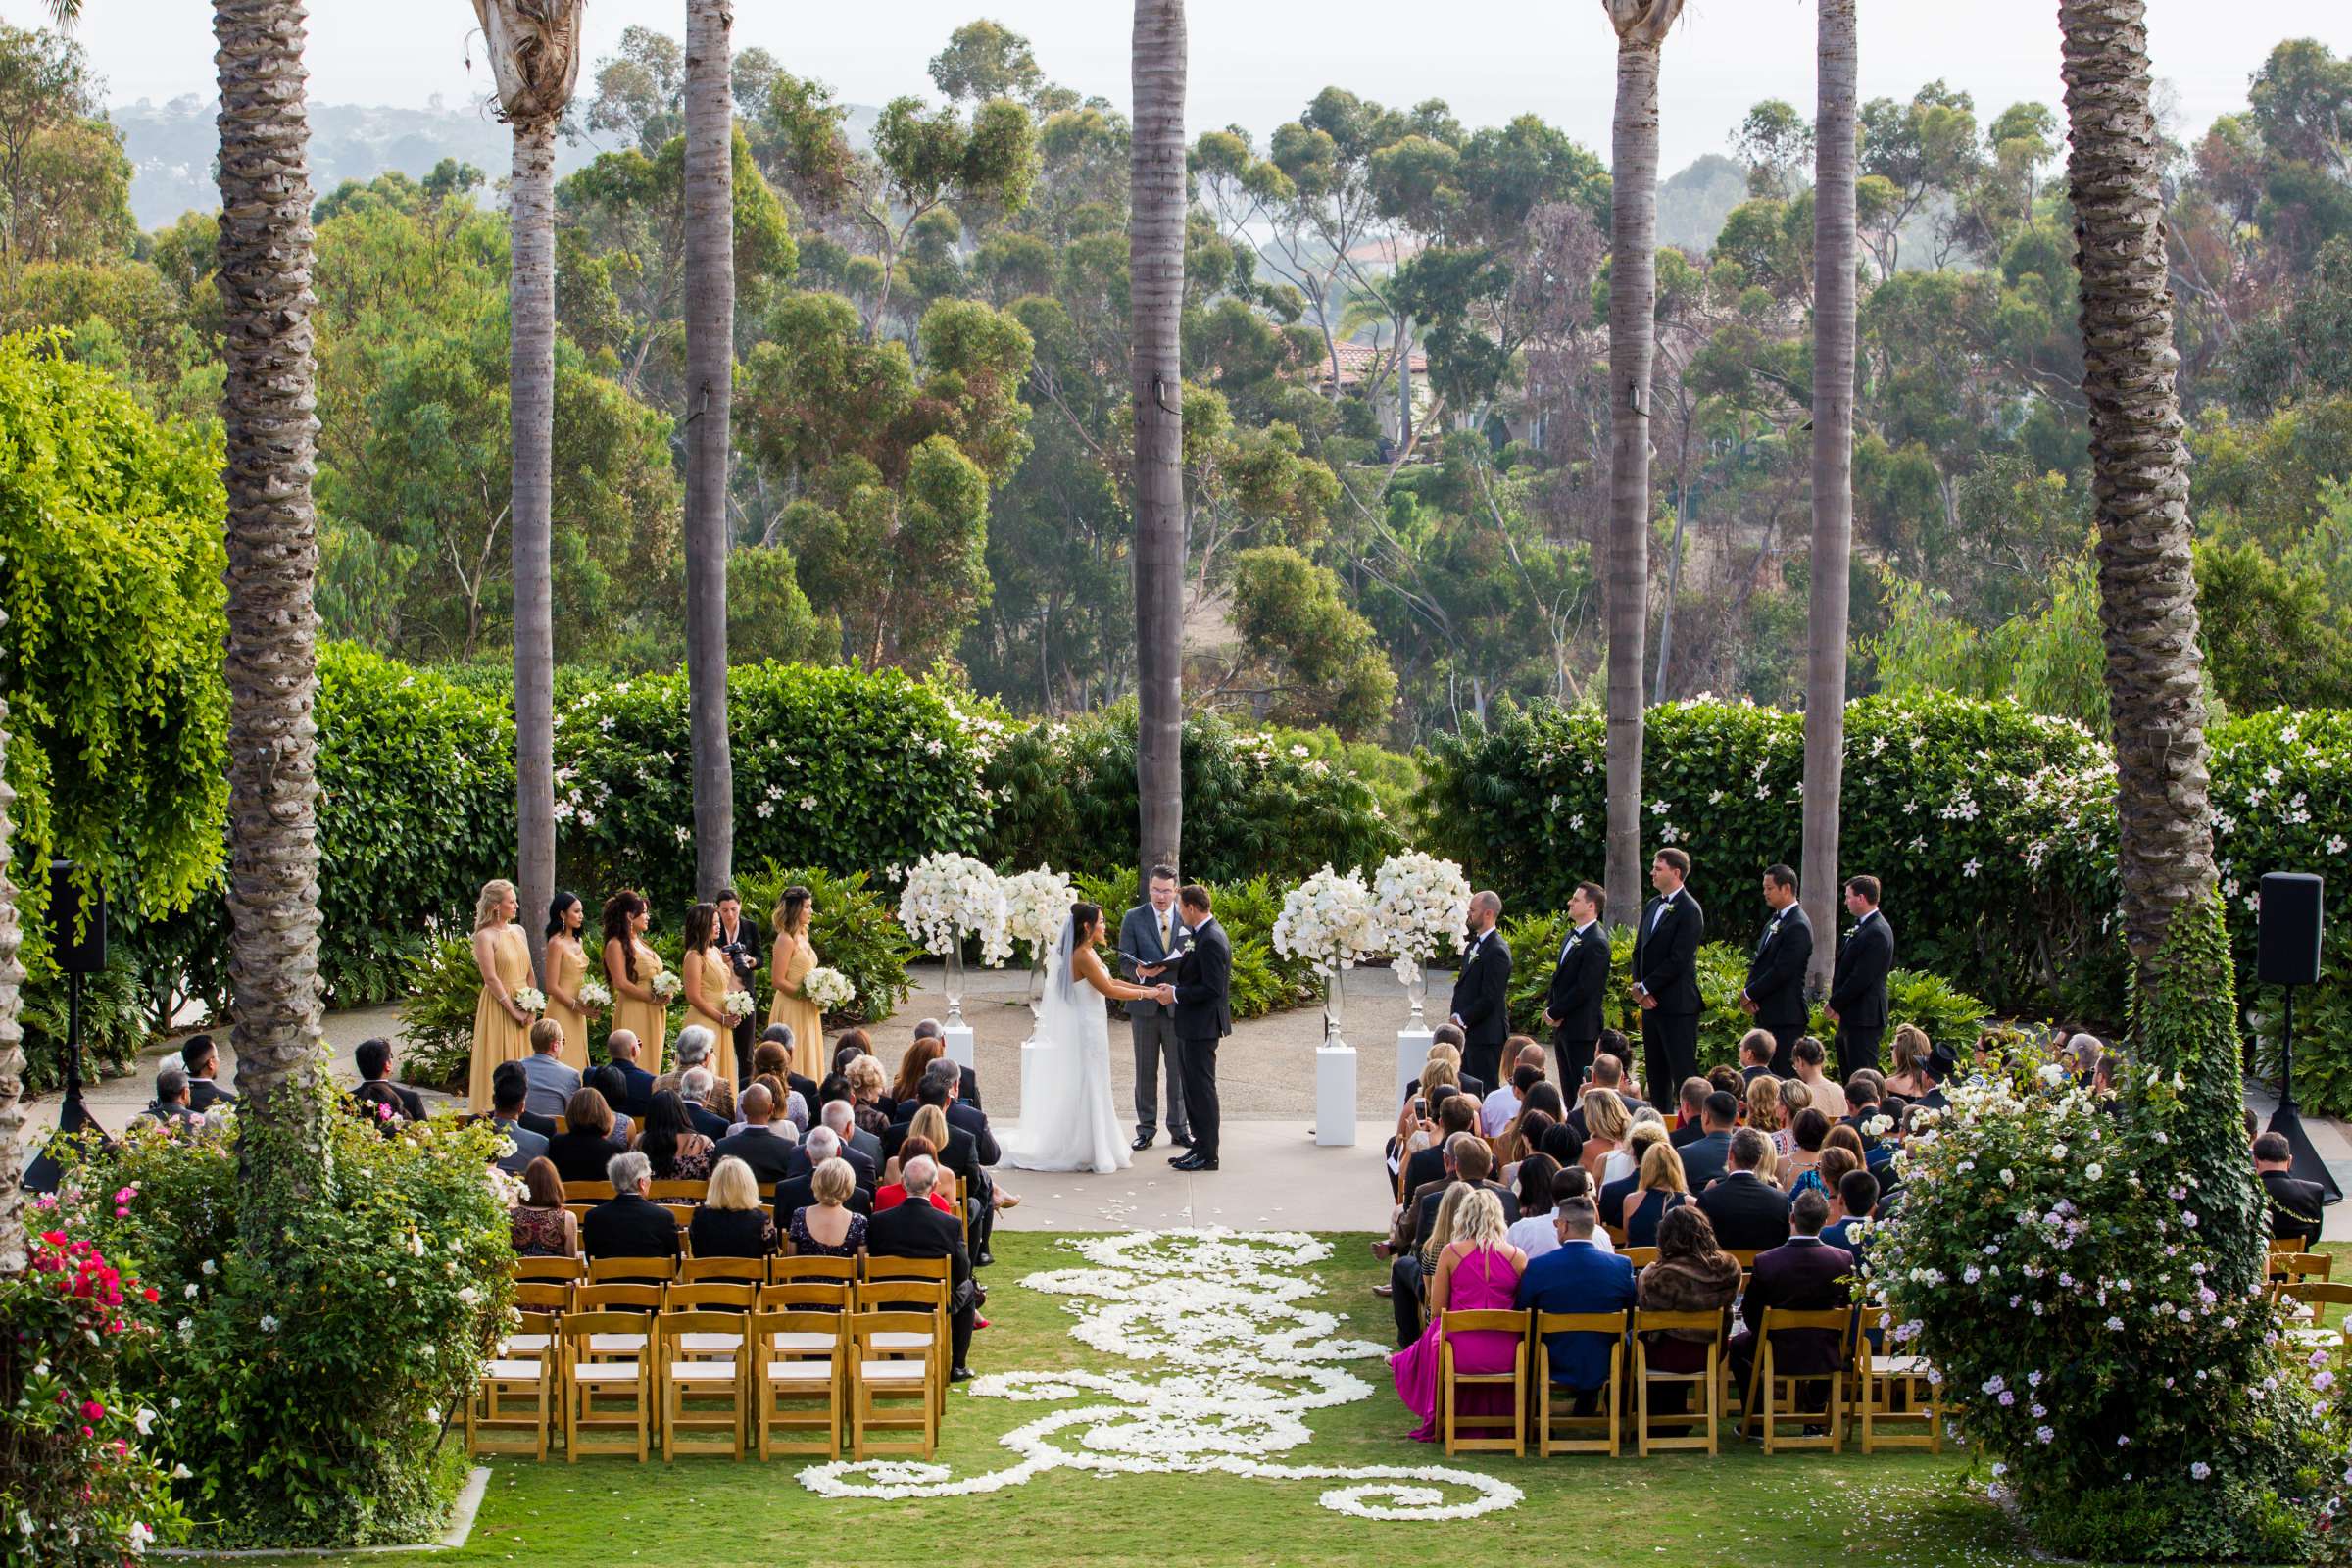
(331, 1370)
(437, 998)
(853, 930)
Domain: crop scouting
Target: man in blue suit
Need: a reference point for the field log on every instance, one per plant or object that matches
(1579, 1277)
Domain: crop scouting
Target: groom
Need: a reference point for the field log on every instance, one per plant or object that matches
(1204, 1017)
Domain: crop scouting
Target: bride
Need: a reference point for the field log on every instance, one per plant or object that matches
(1070, 1125)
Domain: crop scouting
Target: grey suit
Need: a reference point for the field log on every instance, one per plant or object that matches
(1154, 1030)
(552, 1084)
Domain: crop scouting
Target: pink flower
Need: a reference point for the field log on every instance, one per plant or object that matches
(92, 1410)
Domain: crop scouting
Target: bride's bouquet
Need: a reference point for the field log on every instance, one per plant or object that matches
(595, 995)
(1036, 906)
(950, 896)
(531, 999)
(666, 985)
(1424, 908)
(738, 1005)
(1330, 918)
(829, 988)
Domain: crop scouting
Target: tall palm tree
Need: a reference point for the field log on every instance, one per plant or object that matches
(710, 399)
(535, 51)
(1155, 292)
(1834, 245)
(12, 1038)
(1641, 27)
(2139, 474)
(271, 663)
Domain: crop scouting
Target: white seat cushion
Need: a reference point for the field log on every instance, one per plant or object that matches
(816, 1374)
(527, 1345)
(710, 1344)
(804, 1342)
(615, 1344)
(2307, 1335)
(606, 1372)
(702, 1371)
(901, 1341)
(892, 1371)
(518, 1371)
(1898, 1367)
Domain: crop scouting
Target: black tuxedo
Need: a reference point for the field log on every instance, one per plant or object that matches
(638, 1100)
(2294, 1207)
(1579, 981)
(768, 1155)
(1776, 983)
(1748, 1212)
(741, 948)
(1482, 1001)
(1801, 1275)
(628, 1226)
(1426, 1165)
(204, 1094)
(1203, 1015)
(915, 1229)
(1666, 965)
(796, 1193)
(1858, 992)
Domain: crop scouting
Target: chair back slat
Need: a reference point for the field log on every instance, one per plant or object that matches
(726, 1295)
(606, 1299)
(679, 1191)
(549, 1268)
(748, 1270)
(824, 1296)
(908, 1268)
(1547, 1323)
(809, 1270)
(601, 1269)
(587, 1192)
(543, 1296)
(1485, 1322)
(1640, 1257)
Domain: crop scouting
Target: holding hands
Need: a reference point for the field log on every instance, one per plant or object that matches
(1165, 994)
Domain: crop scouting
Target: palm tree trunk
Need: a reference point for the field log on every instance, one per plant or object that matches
(709, 397)
(1633, 349)
(271, 661)
(2140, 476)
(1834, 242)
(12, 1255)
(531, 408)
(1156, 272)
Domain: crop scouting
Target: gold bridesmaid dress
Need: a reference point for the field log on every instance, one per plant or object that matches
(799, 1014)
(570, 968)
(497, 1037)
(649, 1021)
(717, 980)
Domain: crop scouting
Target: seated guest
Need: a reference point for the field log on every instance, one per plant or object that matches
(1452, 1038)
(201, 1058)
(1468, 1162)
(1755, 1056)
(668, 1140)
(1851, 1208)
(620, 1054)
(538, 1222)
(729, 1221)
(828, 1227)
(1727, 1078)
(823, 1143)
(779, 1035)
(839, 1117)
(915, 1229)
(694, 1044)
(375, 1060)
(772, 1060)
(695, 1088)
(1576, 1275)
(1806, 1134)
(1691, 1274)
(1604, 1123)
(1456, 1114)
(1862, 1099)
(866, 1083)
(2294, 1203)
(1501, 1104)
(1708, 1159)
(1647, 1128)
(2081, 1057)
(930, 1044)
(1663, 1189)
(1912, 1080)
(755, 1143)
(1619, 1074)
(848, 1046)
(942, 1084)
(1763, 1113)
(1803, 1274)
(629, 1223)
(586, 1146)
(613, 1089)
(171, 1103)
(1533, 1232)
(1747, 1213)
(1476, 1270)
(1524, 1137)
(1690, 1110)
(507, 1087)
(1565, 1147)
(1837, 1159)
(1571, 1182)
(890, 1194)
(552, 1083)
(798, 1191)
(1609, 1072)
(965, 1147)
(1828, 1097)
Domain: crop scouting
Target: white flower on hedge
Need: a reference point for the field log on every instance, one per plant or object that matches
(139, 1537)
(269, 1323)
(2200, 1471)
(2093, 1172)
(192, 1289)
(2051, 1073)
(205, 1267)
(144, 1420)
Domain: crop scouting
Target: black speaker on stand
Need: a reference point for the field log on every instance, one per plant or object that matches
(2288, 955)
(77, 941)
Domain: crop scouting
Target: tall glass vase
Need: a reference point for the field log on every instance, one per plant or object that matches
(1335, 996)
(1416, 995)
(1037, 990)
(953, 984)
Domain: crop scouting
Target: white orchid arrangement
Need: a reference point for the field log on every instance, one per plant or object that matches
(1424, 908)
(595, 994)
(829, 988)
(1037, 904)
(949, 897)
(1330, 918)
(531, 999)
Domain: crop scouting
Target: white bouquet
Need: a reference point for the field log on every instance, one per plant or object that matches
(950, 896)
(738, 1005)
(531, 999)
(666, 985)
(1036, 906)
(1328, 918)
(595, 995)
(1424, 907)
(829, 988)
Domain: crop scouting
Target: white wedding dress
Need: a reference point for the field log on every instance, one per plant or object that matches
(1066, 1118)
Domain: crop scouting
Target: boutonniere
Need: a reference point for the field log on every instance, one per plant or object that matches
(1186, 945)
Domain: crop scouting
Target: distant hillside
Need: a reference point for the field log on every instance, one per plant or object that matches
(1692, 204)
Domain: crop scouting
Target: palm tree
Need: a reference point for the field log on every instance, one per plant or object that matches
(1832, 472)
(535, 50)
(710, 398)
(1633, 345)
(2139, 474)
(1155, 273)
(11, 1039)
(271, 661)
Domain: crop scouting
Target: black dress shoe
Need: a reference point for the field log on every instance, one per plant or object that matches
(1143, 1141)
(985, 1258)
(1184, 1162)
(1181, 1140)
(960, 1374)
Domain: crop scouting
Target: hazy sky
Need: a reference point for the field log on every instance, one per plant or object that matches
(1255, 62)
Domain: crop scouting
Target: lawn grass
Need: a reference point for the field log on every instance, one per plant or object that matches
(1790, 1511)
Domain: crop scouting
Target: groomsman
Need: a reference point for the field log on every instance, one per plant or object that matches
(1481, 1005)
(1572, 1006)
(1666, 978)
(1775, 993)
(1147, 954)
(1858, 1002)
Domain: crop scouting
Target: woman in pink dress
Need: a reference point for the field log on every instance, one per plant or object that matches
(1477, 1271)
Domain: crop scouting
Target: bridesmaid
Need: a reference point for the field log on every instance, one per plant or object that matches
(501, 1028)
(630, 967)
(708, 976)
(566, 968)
(794, 957)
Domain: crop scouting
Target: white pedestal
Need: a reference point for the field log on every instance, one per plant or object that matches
(1412, 1054)
(1335, 1095)
(960, 1045)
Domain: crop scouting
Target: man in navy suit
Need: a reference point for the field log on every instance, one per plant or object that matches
(1666, 977)
(622, 1047)
(1804, 1274)
(1482, 1003)
(1858, 1002)
(1709, 1155)
(1749, 1213)
(1775, 993)
(1572, 1005)
(1579, 1277)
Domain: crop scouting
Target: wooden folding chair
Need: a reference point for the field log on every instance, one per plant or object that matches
(588, 1192)
(495, 1420)
(1709, 1379)
(689, 1371)
(809, 1270)
(711, 1296)
(550, 1268)
(1552, 1425)
(888, 1392)
(638, 1302)
(797, 1378)
(1640, 1257)
(922, 1295)
(542, 1299)
(688, 1192)
(2316, 1297)
(1452, 1422)
(748, 1270)
(1775, 1398)
(2290, 1269)
(586, 1381)
(806, 1296)
(634, 1270)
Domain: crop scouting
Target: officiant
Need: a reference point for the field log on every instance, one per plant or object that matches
(1148, 938)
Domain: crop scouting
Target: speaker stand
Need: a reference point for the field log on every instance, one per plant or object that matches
(74, 1119)
(2287, 1121)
